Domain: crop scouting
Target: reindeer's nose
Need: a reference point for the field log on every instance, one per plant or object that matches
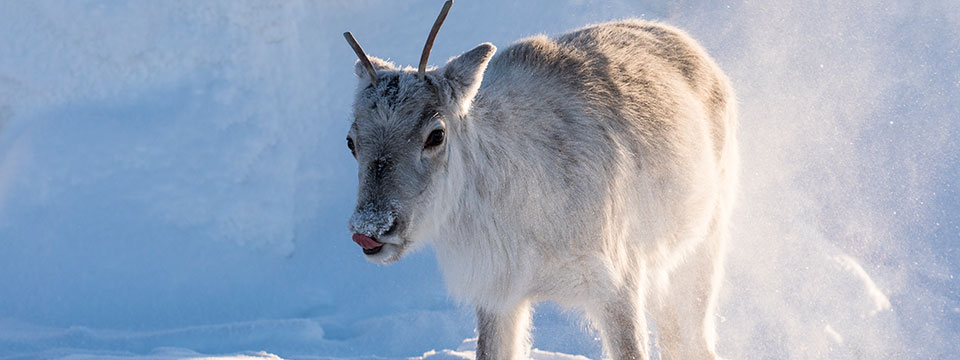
(372, 221)
(392, 228)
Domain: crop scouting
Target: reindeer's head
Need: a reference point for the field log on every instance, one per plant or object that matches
(404, 122)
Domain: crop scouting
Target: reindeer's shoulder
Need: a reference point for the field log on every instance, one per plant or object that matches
(573, 52)
(534, 52)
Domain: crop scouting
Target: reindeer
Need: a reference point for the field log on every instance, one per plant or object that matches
(596, 169)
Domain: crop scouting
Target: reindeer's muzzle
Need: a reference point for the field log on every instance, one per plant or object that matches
(378, 227)
(371, 226)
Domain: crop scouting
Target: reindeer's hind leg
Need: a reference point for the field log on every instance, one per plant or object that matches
(622, 325)
(504, 334)
(685, 317)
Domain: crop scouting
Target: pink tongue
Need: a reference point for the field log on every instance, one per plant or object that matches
(366, 242)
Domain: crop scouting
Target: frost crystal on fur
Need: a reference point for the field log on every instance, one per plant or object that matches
(596, 169)
(370, 221)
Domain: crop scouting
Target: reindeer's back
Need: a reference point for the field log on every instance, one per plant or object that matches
(632, 81)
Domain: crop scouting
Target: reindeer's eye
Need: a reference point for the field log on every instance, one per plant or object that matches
(351, 147)
(434, 139)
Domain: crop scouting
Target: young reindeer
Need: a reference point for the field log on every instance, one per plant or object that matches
(596, 169)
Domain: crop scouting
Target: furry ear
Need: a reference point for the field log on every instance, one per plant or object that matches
(378, 64)
(464, 73)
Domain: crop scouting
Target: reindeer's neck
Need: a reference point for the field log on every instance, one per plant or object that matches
(475, 165)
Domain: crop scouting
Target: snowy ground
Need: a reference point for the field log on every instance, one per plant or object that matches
(174, 182)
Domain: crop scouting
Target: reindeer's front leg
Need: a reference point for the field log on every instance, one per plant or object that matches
(622, 325)
(504, 334)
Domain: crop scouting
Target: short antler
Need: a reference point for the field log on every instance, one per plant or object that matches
(433, 35)
(363, 57)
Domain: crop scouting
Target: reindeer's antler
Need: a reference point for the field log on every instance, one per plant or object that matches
(363, 57)
(433, 35)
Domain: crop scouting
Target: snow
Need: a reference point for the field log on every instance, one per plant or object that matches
(880, 300)
(172, 354)
(174, 181)
(372, 222)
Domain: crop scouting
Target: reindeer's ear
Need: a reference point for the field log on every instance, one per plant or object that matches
(465, 72)
(378, 64)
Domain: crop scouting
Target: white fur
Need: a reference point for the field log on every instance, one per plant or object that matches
(597, 170)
